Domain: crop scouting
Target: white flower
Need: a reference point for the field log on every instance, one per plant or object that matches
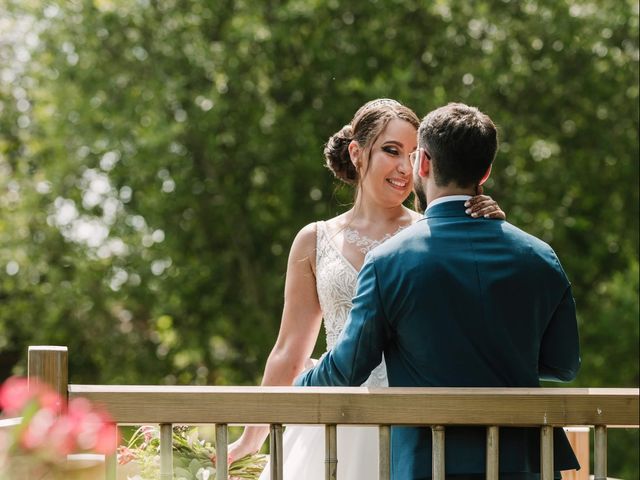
(205, 473)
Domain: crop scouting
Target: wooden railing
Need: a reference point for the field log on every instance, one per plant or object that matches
(438, 408)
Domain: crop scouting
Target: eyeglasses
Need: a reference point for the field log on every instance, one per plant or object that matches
(413, 156)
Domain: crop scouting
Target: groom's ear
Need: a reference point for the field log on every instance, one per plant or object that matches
(425, 163)
(486, 176)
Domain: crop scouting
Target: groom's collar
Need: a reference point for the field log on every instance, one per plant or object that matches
(447, 198)
(439, 207)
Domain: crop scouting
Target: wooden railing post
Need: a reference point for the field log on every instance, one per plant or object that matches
(111, 461)
(222, 464)
(49, 365)
(331, 452)
(493, 452)
(276, 452)
(437, 453)
(384, 460)
(600, 453)
(546, 452)
(166, 451)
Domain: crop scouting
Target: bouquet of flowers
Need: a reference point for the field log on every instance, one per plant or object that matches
(36, 443)
(191, 456)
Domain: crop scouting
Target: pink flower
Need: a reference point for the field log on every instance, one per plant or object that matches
(125, 455)
(17, 392)
(51, 431)
(14, 395)
(149, 433)
(37, 430)
(93, 428)
(48, 399)
(107, 439)
(62, 436)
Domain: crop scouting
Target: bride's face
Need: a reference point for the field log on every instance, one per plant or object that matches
(388, 178)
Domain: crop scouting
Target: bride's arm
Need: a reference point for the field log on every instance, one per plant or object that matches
(299, 328)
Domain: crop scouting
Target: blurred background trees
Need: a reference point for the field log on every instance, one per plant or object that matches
(157, 158)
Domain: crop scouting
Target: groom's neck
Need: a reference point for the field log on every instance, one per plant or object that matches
(434, 191)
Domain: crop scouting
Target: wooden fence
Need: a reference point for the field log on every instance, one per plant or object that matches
(438, 408)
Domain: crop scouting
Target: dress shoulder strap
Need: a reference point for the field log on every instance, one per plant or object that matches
(321, 239)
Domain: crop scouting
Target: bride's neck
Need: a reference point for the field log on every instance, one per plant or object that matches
(368, 211)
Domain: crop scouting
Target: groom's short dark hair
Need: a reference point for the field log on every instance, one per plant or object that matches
(462, 142)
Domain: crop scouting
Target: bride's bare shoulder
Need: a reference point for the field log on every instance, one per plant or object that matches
(305, 239)
(337, 223)
(303, 248)
(305, 242)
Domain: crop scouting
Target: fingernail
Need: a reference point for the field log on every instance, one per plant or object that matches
(486, 215)
(467, 211)
(466, 204)
(474, 214)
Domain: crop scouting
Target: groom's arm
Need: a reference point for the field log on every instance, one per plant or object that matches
(560, 350)
(360, 346)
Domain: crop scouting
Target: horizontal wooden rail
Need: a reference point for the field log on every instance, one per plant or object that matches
(614, 407)
(437, 408)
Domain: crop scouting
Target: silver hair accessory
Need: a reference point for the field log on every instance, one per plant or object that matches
(383, 102)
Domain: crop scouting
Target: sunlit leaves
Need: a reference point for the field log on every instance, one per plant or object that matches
(157, 158)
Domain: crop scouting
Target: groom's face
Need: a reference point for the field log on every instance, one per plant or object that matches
(419, 187)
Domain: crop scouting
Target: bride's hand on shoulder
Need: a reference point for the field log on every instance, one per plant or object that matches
(484, 206)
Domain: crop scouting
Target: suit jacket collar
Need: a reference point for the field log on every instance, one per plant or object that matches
(447, 209)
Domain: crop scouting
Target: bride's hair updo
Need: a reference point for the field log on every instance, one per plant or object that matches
(368, 123)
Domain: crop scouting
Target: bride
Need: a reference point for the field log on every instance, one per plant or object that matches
(371, 153)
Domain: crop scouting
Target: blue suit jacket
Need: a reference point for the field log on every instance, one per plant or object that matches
(459, 302)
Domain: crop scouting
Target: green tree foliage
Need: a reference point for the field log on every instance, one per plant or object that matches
(158, 156)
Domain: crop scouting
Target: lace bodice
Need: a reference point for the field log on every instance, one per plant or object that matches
(336, 285)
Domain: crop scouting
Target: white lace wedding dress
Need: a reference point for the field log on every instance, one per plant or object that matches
(357, 446)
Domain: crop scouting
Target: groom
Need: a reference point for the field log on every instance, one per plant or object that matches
(459, 302)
